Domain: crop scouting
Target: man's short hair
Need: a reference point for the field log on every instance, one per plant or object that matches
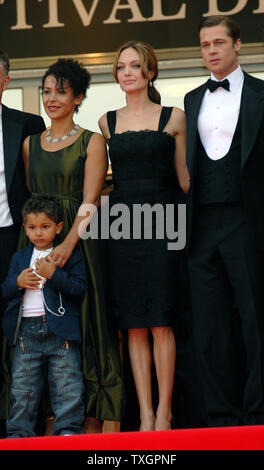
(232, 26)
(43, 203)
(4, 61)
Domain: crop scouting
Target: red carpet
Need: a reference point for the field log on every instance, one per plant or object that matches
(229, 438)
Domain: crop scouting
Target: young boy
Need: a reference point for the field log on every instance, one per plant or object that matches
(42, 322)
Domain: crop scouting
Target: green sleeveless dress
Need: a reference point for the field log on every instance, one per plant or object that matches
(60, 174)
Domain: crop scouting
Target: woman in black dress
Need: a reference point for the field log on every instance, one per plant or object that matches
(147, 152)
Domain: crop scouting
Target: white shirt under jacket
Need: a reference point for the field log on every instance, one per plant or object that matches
(218, 116)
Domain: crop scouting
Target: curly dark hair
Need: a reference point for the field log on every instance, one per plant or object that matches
(43, 203)
(71, 71)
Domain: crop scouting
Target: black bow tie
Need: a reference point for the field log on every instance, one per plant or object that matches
(213, 84)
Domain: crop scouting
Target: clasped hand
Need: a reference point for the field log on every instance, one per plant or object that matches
(45, 267)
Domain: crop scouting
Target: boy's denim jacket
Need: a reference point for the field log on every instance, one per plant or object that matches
(67, 286)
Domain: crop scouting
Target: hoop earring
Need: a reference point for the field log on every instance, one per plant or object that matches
(150, 83)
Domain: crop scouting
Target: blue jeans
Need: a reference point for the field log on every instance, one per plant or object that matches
(37, 345)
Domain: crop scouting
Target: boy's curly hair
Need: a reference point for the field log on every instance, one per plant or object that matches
(43, 203)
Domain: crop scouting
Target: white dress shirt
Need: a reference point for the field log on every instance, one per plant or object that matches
(219, 114)
(5, 215)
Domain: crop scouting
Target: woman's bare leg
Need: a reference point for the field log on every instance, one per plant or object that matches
(141, 359)
(164, 348)
(111, 426)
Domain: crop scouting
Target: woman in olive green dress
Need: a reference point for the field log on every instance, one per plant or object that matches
(70, 162)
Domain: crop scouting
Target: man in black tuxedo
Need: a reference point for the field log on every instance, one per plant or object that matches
(225, 228)
(15, 126)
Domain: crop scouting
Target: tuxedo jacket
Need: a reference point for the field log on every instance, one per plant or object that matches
(17, 125)
(70, 281)
(252, 152)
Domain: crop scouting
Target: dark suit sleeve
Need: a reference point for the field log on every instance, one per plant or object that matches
(71, 280)
(17, 125)
(9, 286)
(33, 125)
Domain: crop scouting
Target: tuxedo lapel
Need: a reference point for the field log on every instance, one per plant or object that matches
(252, 114)
(192, 126)
(192, 106)
(12, 137)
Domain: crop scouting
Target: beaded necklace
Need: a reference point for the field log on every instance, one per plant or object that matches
(60, 139)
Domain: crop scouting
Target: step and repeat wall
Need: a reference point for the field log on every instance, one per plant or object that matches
(36, 32)
(41, 28)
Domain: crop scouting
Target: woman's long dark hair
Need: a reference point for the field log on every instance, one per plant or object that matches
(148, 61)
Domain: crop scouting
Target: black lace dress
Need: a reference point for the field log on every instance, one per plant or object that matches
(143, 272)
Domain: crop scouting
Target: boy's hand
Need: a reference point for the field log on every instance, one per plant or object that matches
(45, 267)
(27, 279)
